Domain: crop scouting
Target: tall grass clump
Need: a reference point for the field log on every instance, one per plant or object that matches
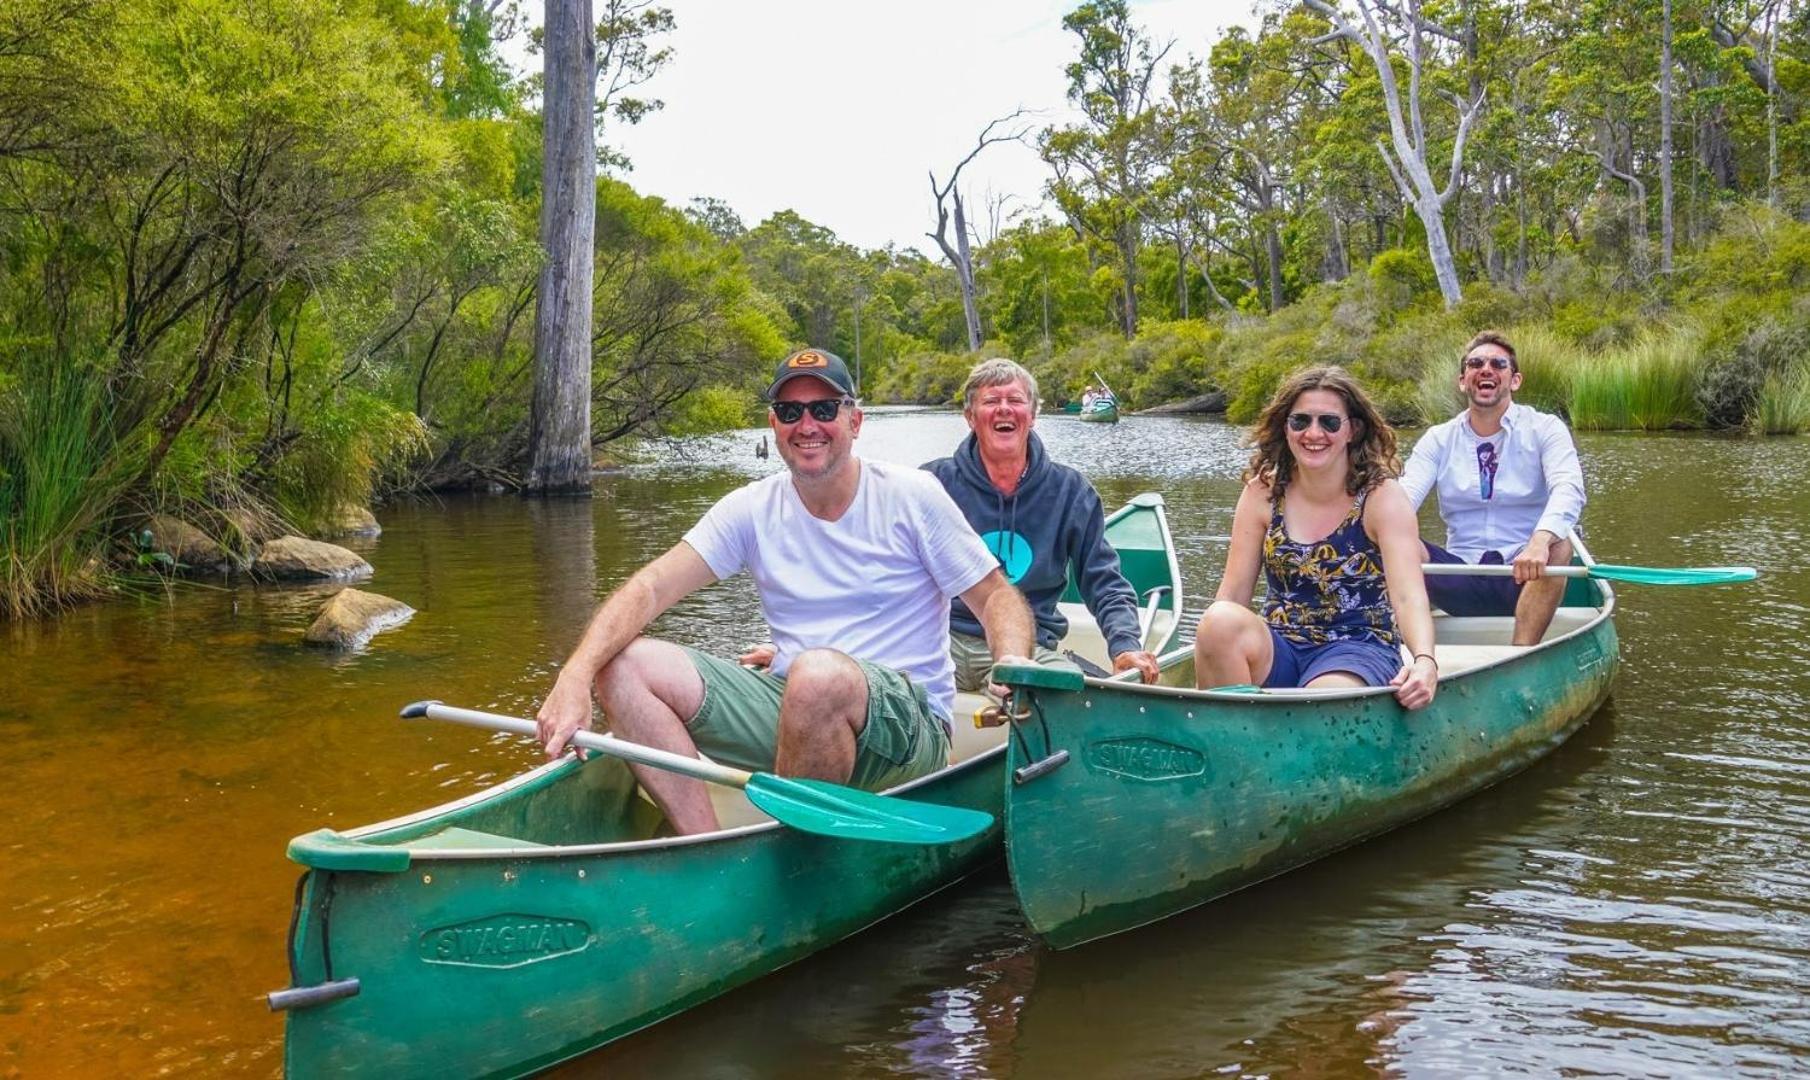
(1649, 384)
(61, 478)
(1783, 407)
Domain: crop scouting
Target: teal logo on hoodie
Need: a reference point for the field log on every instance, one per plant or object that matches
(1013, 552)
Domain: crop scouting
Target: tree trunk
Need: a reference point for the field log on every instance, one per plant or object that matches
(559, 434)
(1665, 139)
(964, 271)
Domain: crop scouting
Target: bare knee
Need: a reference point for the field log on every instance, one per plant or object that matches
(1226, 625)
(648, 667)
(821, 677)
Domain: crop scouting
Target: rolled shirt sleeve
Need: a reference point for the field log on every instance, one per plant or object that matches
(1564, 478)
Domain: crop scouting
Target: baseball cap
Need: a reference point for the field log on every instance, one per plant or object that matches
(816, 363)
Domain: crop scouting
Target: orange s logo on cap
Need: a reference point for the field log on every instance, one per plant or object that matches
(808, 359)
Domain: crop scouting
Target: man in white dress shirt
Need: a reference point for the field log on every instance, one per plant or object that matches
(1510, 491)
(855, 562)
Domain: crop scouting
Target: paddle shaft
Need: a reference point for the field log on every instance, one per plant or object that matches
(1496, 570)
(707, 771)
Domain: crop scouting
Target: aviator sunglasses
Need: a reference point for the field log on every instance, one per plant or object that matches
(1330, 423)
(823, 411)
(1475, 363)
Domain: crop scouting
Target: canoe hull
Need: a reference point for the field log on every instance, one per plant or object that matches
(502, 966)
(1171, 798)
(1100, 416)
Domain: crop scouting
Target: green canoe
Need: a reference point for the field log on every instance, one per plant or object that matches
(1103, 411)
(1126, 804)
(541, 918)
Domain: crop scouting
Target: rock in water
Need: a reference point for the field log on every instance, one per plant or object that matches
(353, 521)
(293, 558)
(352, 617)
(191, 548)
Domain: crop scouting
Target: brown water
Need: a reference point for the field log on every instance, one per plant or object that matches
(1636, 904)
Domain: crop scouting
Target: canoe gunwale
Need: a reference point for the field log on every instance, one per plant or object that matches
(369, 833)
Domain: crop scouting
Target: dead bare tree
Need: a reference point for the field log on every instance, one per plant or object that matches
(949, 195)
(1409, 145)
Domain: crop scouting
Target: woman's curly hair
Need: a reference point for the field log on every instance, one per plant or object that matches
(1373, 454)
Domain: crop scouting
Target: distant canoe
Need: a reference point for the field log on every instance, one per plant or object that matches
(1126, 803)
(1101, 411)
(531, 922)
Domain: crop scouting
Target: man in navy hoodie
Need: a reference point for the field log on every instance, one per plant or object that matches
(1038, 518)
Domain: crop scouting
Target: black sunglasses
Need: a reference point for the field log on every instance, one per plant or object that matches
(1500, 363)
(823, 411)
(1330, 423)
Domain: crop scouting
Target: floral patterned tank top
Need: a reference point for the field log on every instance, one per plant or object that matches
(1329, 590)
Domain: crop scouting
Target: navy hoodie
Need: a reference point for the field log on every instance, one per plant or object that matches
(1054, 519)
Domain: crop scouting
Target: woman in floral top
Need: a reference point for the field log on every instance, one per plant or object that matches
(1323, 517)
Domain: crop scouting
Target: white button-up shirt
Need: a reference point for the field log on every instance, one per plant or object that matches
(1538, 482)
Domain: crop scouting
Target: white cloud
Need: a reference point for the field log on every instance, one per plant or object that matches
(838, 110)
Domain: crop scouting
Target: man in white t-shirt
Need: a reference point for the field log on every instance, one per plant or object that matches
(855, 562)
(1510, 491)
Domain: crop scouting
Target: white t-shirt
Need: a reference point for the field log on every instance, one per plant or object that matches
(874, 584)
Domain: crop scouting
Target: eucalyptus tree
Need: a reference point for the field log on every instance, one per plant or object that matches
(1104, 166)
(1410, 149)
(590, 69)
(559, 438)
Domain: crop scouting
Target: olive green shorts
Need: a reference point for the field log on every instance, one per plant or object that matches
(974, 661)
(738, 723)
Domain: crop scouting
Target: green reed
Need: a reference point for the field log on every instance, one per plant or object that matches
(1647, 385)
(61, 479)
(1784, 403)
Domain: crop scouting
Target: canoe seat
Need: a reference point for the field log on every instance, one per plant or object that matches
(1455, 658)
(468, 839)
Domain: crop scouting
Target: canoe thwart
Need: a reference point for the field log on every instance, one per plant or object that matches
(1038, 675)
(1024, 774)
(324, 849)
(306, 997)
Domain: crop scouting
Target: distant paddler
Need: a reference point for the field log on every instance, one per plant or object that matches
(1510, 491)
(855, 562)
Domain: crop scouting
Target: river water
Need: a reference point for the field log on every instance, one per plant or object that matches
(1636, 904)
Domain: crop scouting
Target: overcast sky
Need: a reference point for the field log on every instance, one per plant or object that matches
(837, 110)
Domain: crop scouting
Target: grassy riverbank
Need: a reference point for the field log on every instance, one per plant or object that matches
(1723, 344)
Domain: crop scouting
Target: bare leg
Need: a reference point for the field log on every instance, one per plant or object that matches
(648, 692)
(1540, 598)
(1232, 646)
(1335, 680)
(822, 714)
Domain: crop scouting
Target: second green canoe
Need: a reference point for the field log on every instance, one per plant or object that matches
(1126, 804)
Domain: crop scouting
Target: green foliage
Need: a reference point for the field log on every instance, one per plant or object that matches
(714, 408)
(1403, 278)
(351, 439)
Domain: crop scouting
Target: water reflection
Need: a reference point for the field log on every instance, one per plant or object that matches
(1638, 903)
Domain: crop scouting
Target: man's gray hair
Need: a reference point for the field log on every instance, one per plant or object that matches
(998, 372)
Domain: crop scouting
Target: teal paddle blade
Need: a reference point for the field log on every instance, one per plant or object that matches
(1676, 575)
(827, 809)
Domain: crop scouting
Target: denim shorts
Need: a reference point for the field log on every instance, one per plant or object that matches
(738, 723)
(1467, 596)
(1298, 665)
